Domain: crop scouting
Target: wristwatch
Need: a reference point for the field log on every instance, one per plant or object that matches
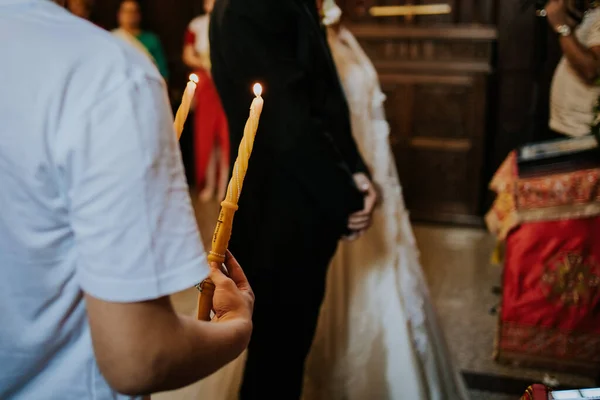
(563, 30)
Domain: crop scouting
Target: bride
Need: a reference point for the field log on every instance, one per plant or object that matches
(377, 336)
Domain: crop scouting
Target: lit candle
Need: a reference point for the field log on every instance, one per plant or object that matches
(186, 102)
(229, 206)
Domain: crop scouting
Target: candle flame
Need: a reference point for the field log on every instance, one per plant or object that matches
(257, 89)
(194, 78)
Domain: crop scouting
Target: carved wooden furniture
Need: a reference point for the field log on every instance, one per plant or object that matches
(435, 78)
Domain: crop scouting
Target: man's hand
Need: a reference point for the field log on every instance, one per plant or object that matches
(159, 350)
(360, 221)
(556, 12)
(233, 298)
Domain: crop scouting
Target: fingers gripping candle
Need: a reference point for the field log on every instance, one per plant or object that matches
(186, 102)
(229, 206)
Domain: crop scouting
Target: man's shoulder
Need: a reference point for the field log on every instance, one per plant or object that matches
(98, 62)
(75, 55)
(88, 46)
(98, 52)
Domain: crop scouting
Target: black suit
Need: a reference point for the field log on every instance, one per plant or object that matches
(299, 191)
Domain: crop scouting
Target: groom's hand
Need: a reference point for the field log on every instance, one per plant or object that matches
(361, 220)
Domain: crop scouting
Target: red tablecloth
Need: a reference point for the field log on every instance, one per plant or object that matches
(551, 197)
(551, 295)
(550, 225)
(536, 392)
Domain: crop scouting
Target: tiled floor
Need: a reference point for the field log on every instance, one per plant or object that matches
(461, 278)
(456, 263)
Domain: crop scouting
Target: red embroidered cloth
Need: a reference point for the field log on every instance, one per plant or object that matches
(551, 294)
(569, 195)
(576, 187)
(503, 216)
(536, 392)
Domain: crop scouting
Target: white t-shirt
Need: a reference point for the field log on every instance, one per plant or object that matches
(572, 100)
(92, 196)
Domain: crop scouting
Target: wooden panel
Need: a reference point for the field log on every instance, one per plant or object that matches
(463, 12)
(435, 80)
(463, 32)
(528, 53)
(466, 11)
(442, 111)
(487, 12)
(441, 106)
(437, 143)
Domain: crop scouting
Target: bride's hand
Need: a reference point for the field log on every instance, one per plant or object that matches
(360, 221)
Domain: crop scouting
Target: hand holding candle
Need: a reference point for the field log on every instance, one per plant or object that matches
(186, 102)
(229, 206)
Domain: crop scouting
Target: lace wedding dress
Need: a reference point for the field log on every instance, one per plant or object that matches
(377, 336)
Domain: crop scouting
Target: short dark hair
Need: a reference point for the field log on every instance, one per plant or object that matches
(141, 9)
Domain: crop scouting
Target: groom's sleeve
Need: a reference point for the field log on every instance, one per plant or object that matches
(255, 52)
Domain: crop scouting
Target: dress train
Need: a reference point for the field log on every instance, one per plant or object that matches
(378, 336)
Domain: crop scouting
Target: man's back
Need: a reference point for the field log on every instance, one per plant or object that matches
(70, 128)
(299, 191)
(304, 154)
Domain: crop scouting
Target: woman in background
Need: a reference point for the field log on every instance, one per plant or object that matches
(129, 30)
(81, 8)
(211, 138)
(378, 336)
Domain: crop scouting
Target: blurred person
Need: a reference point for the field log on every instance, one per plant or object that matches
(81, 8)
(98, 228)
(306, 186)
(378, 336)
(211, 135)
(575, 89)
(129, 17)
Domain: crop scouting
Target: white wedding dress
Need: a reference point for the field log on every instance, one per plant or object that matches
(377, 336)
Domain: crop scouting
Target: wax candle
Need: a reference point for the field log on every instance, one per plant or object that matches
(229, 206)
(186, 102)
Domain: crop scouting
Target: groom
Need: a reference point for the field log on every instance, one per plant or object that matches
(306, 186)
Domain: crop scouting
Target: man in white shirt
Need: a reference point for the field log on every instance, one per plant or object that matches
(96, 228)
(574, 88)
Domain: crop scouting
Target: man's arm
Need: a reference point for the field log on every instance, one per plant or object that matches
(146, 347)
(137, 240)
(585, 61)
(267, 53)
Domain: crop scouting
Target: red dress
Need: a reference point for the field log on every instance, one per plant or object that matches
(210, 123)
